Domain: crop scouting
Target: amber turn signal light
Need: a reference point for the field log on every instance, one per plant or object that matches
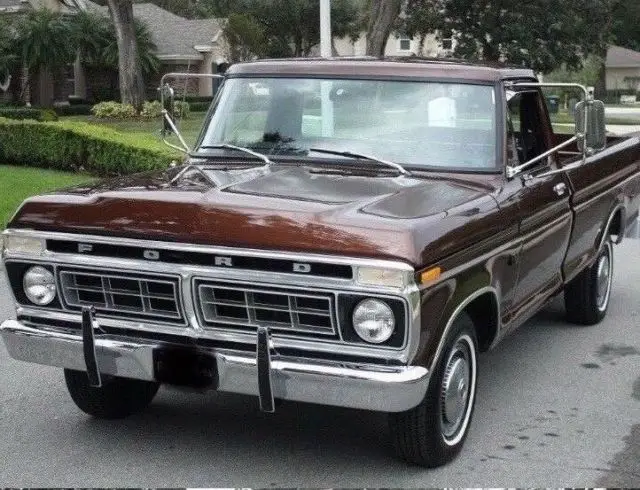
(430, 275)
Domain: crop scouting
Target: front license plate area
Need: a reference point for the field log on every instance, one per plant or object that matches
(185, 367)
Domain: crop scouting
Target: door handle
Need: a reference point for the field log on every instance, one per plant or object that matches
(560, 189)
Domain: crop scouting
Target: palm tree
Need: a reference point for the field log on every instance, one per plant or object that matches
(149, 62)
(44, 40)
(8, 56)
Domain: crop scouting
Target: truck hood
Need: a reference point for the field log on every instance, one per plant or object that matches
(295, 209)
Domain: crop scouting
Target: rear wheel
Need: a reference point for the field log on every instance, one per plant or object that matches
(116, 399)
(587, 296)
(433, 433)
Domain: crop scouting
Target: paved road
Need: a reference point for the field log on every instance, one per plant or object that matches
(558, 405)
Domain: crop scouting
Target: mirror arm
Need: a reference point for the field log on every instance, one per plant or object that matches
(513, 171)
(165, 114)
(185, 148)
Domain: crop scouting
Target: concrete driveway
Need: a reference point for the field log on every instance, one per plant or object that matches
(558, 405)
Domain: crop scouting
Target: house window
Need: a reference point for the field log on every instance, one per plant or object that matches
(405, 44)
(447, 41)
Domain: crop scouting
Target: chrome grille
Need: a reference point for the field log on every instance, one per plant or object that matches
(228, 305)
(123, 295)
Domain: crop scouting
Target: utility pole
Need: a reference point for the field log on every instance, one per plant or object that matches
(326, 52)
(325, 28)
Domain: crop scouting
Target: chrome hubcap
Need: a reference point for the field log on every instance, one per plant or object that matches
(603, 279)
(455, 391)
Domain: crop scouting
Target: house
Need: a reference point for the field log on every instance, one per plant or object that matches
(399, 45)
(622, 69)
(184, 45)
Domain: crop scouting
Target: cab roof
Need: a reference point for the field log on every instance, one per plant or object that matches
(401, 67)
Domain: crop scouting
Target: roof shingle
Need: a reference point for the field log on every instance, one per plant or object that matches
(174, 36)
(618, 57)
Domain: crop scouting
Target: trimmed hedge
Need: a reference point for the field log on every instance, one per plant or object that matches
(21, 113)
(68, 145)
(74, 110)
(200, 106)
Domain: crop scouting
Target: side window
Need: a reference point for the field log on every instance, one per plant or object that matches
(525, 128)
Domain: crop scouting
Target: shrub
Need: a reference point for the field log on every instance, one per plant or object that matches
(151, 110)
(182, 109)
(70, 145)
(74, 110)
(113, 110)
(21, 113)
(200, 106)
(195, 99)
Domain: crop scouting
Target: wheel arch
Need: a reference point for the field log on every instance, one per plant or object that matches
(483, 307)
(614, 225)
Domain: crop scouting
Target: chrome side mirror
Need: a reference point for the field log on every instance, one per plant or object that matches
(591, 126)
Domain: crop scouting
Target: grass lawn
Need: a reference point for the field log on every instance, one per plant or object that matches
(18, 183)
(150, 130)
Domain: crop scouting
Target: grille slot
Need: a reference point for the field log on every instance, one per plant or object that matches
(122, 295)
(291, 311)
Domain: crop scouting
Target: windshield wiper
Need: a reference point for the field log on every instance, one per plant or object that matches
(248, 151)
(360, 156)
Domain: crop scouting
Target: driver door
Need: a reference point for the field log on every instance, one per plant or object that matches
(543, 208)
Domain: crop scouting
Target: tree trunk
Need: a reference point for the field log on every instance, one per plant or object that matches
(382, 16)
(131, 82)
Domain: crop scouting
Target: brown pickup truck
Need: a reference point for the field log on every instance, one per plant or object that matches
(349, 232)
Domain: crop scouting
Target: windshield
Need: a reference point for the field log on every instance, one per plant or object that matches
(425, 124)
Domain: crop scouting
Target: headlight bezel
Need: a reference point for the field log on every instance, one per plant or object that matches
(48, 284)
(383, 326)
(347, 303)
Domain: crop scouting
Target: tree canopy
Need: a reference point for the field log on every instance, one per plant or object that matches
(286, 27)
(541, 34)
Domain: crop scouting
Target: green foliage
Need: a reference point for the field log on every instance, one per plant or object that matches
(245, 38)
(151, 110)
(182, 109)
(625, 22)
(288, 27)
(95, 37)
(113, 110)
(66, 145)
(43, 39)
(200, 106)
(541, 34)
(8, 49)
(21, 113)
(587, 75)
(73, 110)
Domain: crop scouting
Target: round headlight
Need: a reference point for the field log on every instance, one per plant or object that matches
(39, 286)
(373, 321)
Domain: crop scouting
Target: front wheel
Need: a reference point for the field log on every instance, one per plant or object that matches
(586, 297)
(117, 398)
(433, 433)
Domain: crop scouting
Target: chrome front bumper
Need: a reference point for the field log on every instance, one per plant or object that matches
(351, 385)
